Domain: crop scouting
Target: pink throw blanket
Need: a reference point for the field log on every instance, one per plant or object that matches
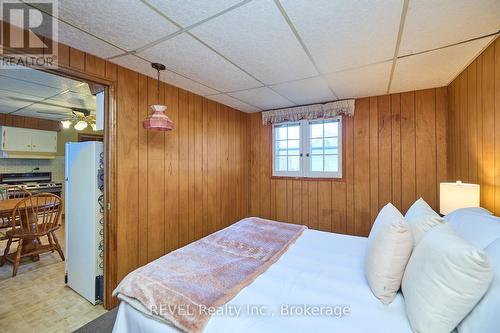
(209, 272)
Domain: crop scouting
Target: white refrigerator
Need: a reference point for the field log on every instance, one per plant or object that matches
(84, 208)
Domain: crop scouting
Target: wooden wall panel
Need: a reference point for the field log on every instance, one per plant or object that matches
(394, 151)
(348, 136)
(172, 172)
(384, 150)
(373, 158)
(176, 187)
(408, 192)
(28, 122)
(441, 137)
(156, 182)
(128, 173)
(362, 158)
(212, 168)
(182, 129)
(425, 130)
(143, 193)
(255, 164)
(171, 188)
(162, 177)
(474, 126)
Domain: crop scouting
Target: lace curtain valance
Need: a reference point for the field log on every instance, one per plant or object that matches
(309, 112)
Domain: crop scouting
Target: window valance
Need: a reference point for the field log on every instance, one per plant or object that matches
(309, 112)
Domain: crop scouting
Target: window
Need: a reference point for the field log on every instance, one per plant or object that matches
(308, 148)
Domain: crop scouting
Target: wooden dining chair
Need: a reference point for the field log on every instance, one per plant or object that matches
(11, 192)
(39, 215)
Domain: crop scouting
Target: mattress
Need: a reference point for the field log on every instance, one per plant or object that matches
(318, 285)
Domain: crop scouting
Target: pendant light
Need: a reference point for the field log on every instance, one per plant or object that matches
(158, 121)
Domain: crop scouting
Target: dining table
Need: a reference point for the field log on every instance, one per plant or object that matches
(28, 219)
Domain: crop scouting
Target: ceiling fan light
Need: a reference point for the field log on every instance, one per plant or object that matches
(66, 123)
(81, 125)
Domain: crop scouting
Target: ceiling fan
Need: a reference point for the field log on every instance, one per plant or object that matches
(79, 117)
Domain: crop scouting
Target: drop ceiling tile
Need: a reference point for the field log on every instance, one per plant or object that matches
(257, 38)
(128, 24)
(432, 24)
(187, 84)
(6, 108)
(83, 41)
(366, 81)
(136, 64)
(82, 89)
(26, 87)
(144, 67)
(435, 68)
(71, 99)
(10, 101)
(79, 39)
(188, 12)
(346, 34)
(44, 112)
(188, 57)
(233, 102)
(263, 98)
(39, 77)
(307, 91)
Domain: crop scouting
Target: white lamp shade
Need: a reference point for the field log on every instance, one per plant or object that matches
(66, 123)
(457, 195)
(81, 125)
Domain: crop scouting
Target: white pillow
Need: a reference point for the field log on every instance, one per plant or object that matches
(444, 279)
(485, 317)
(475, 225)
(422, 218)
(389, 247)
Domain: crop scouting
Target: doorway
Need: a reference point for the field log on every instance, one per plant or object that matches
(34, 111)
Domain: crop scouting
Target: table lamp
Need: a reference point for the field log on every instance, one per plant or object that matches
(457, 195)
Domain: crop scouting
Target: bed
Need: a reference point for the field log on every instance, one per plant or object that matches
(321, 272)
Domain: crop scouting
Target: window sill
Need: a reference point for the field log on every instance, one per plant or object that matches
(310, 179)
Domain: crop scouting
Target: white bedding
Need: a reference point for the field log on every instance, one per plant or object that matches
(321, 269)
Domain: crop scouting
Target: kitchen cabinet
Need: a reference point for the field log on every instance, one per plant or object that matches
(44, 141)
(16, 141)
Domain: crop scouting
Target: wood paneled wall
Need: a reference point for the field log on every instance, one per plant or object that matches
(474, 128)
(170, 188)
(29, 122)
(395, 151)
(175, 187)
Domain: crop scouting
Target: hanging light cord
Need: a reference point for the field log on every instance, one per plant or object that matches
(158, 86)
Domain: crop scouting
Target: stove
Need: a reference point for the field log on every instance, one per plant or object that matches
(33, 182)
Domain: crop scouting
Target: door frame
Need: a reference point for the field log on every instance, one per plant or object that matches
(110, 171)
(110, 164)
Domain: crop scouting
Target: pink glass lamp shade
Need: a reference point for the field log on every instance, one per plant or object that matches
(158, 120)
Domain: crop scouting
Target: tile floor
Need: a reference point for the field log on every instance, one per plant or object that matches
(37, 299)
